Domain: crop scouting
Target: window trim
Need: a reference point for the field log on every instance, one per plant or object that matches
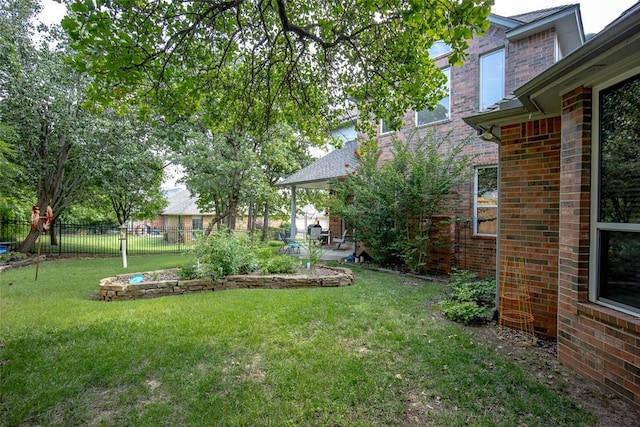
(382, 131)
(595, 225)
(504, 76)
(443, 54)
(475, 200)
(448, 109)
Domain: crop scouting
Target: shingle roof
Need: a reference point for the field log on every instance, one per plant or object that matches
(534, 15)
(182, 203)
(319, 173)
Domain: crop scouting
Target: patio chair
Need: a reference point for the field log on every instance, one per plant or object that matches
(314, 233)
(340, 240)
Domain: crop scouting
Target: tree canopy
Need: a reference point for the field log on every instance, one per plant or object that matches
(253, 63)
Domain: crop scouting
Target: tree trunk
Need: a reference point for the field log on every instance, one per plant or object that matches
(52, 234)
(265, 222)
(28, 243)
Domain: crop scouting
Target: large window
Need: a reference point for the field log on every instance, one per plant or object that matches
(442, 110)
(616, 230)
(492, 84)
(486, 201)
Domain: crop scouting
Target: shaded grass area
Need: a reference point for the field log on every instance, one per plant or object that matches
(375, 353)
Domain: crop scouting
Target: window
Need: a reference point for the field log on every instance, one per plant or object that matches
(491, 78)
(439, 48)
(615, 282)
(345, 133)
(442, 110)
(384, 127)
(196, 222)
(486, 201)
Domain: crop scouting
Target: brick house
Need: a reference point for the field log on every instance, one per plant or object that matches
(569, 174)
(182, 213)
(512, 52)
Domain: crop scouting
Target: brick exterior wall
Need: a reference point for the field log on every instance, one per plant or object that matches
(529, 212)
(599, 343)
(524, 59)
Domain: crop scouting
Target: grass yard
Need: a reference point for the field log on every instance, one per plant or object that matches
(375, 353)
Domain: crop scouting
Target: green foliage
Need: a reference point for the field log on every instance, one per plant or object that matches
(187, 272)
(314, 250)
(469, 300)
(280, 264)
(223, 253)
(253, 64)
(392, 203)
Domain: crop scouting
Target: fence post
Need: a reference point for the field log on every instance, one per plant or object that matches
(59, 237)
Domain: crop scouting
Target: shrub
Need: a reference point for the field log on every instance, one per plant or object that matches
(468, 312)
(223, 253)
(314, 249)
(187, 272)
(469, 300)
(280, 264)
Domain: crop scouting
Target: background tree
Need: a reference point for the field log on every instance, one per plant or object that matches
(392, 204)
(255, 63)
(127, 169)
(235, 172)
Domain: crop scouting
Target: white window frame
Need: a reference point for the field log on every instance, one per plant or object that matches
(596, 226)
(475, 200)
(504, 79)
(382, 131)
(447, 72)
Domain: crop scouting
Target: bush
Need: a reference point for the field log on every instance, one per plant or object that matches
(280, 264)
(224, 253)
(469, 300)
(468, 312)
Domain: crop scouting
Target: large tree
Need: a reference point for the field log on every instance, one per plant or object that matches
(41, 104)
(253, 63)
(127, 168)
(235, 172)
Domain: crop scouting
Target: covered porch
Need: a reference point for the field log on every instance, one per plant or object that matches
(318, 176)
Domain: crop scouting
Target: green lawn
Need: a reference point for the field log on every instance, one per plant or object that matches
(370, 354)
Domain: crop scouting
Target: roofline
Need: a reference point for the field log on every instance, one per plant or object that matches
(614, 34)
(503, 21)
(532, 27)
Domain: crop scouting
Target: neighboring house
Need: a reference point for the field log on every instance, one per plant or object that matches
(181, 213)
(512, 52)
(569, 175)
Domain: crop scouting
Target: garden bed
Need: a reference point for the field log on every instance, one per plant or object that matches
(166, 282)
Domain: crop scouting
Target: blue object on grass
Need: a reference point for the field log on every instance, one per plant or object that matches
(138, 278)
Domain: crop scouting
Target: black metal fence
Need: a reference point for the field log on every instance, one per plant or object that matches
(98, 239)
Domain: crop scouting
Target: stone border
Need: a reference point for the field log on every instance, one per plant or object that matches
(111, 291)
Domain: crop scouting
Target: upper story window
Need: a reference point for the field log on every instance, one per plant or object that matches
(615, 231)
(384, 127)
(492, 78)
(486, 201)
(442, 110)
(439, 48)
(345, 133)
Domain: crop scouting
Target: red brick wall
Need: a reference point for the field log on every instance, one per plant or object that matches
(529, 211)
(599, 343)
(524, 59)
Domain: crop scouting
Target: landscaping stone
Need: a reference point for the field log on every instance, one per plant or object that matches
(165, 282)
